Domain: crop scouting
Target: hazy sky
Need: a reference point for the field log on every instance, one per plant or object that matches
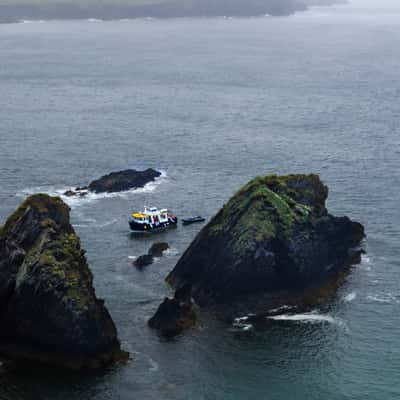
(376, 3)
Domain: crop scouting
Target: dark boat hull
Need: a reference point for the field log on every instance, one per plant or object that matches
(151, 228)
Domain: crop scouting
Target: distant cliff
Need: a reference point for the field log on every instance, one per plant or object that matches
(108, 10)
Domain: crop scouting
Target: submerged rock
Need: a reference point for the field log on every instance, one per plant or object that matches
(49, 311)
(274, 236)
(70, 193)
(175, 315)
(117, 182)
(144, 260)
(158, 248)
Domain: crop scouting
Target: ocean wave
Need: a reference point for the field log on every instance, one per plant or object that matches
(94, 20)
(386, 298)
(76, 201)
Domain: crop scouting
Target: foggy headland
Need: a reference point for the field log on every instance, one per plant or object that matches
(109, 10)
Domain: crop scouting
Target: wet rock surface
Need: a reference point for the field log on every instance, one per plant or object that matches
(158, 248)
(144, 260)
(174, 315)
(117, 182)
(275, 236)
(49, 311)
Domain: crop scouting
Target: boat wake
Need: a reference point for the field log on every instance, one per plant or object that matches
(76, 201)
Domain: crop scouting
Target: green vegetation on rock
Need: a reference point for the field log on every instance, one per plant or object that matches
(47, 299)
(275, 234)
(268, 207)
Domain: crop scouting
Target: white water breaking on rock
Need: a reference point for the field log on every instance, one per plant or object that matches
(350, 297)
(312, 317)
(76, 201)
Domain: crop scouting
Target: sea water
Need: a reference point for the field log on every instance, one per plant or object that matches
(213, 103)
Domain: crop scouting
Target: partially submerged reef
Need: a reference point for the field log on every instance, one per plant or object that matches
(271, 244)
(156, 250)
(49, 311)
(117, 182)
(175, 315)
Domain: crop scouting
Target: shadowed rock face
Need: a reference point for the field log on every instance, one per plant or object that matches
(174, 315)
(275, 235)
(48, 307)
(157, 249)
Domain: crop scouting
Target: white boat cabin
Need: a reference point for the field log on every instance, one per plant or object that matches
(152, 216)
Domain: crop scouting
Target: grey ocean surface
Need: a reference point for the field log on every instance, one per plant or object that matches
(213, 103)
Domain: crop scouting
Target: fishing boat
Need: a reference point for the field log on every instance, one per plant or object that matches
(192, 220)
(152, 220)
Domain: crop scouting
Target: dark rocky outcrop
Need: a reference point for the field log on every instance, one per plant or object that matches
(175, 315)
(272, 240)
(144, 260)
(158, 248)
(123, 180)
(117, 182)
(49, 311)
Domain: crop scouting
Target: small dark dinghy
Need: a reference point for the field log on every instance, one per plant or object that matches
(193, 220)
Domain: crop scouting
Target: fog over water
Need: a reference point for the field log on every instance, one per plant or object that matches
(375, 4)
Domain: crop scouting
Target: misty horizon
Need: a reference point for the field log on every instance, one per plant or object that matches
(31, 9)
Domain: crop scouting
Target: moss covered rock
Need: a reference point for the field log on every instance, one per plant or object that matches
(275, 235)
(48, 307)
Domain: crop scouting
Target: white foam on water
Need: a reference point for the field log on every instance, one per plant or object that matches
(133, 258)
(242, 326)
(94, 20)
(247, 327)
(108, 223)
(31, 21)
(282, 308)
(365, 259)
(172, 251)
(365, 262)
(350, 297)
(76, 201)
(385, 298)
(312, 317)
(241, 319)
(153, 365)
